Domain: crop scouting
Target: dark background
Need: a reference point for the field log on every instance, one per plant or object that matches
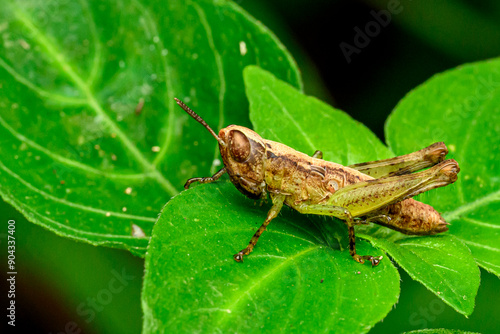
(58, 278)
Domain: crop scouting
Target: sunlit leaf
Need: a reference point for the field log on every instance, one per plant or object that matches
(462, 108)
(92, 144)
(297, 279)
(306, 124)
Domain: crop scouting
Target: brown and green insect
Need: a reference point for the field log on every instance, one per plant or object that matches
(371, 192)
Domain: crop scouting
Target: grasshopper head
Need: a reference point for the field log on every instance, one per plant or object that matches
(244, 154)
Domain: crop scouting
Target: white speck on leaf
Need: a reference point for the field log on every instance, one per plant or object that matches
(24, 44)
(146, 89)
(137, 231)
(243, 48)
(155, 148)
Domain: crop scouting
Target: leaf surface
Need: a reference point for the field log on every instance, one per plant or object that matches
(92, 143)
(462, 108)
(295, 280)
(300, 121)
(439, 331)
(278, 287)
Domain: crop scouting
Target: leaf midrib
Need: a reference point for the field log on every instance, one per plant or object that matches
(258, 281)
(92, 102)
(69, 162)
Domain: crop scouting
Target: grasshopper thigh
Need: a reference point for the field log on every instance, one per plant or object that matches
(365, 197)
(404, 164)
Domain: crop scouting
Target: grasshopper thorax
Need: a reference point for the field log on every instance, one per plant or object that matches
(244, 156)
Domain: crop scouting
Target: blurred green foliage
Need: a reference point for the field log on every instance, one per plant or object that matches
(428, 37)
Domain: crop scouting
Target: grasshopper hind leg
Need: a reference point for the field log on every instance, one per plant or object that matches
(344, 214)
(375, 260)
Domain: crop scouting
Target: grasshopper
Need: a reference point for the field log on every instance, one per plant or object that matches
(371, 192)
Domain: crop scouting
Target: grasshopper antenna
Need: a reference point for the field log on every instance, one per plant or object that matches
(199, 119)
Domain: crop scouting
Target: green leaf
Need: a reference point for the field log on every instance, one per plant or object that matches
(79, 155)
(439, 331)
(297, 279)
(433, 262)
(462, 108)
(279, 112)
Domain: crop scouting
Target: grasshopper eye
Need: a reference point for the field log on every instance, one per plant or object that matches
(239, 146)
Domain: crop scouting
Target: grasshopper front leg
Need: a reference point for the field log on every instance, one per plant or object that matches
(209, 179)
(273, 212)
(365, 198)
(276, 208)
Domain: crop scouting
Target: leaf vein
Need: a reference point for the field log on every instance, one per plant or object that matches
(257, 281)
(53, 51)
(290, 117)
(480, 202)
(41, 92)
(72, 204)
(69, 162)
(480, 223)
(96, 59)
(165, 144)
(220, 71)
